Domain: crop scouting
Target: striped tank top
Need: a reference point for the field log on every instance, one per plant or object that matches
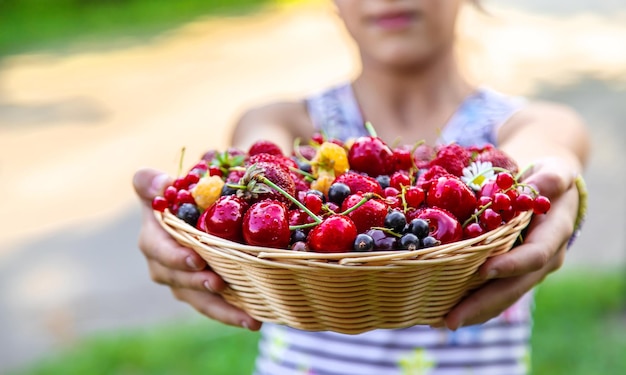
(497, 347)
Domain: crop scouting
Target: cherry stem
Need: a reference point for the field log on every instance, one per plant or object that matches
(477, 214)
(366, 197)
(302, 226)
(180, 162)
(269, 183)
(521, 173)
(388, 231)
(370, 129)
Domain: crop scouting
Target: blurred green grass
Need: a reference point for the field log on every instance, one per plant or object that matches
(579, 329)
(28, 26)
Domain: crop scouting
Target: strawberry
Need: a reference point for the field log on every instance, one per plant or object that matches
(453, 158)
(359, 183)
(498, 158)
(451, 194)
(336, 234)
(265, 147)
(224, 218)
(371, 155)
(266, 224)
(278, 159)
(443, 226)
(371, 214)
(254, 190)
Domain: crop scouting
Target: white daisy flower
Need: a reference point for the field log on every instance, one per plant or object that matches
(476, 174)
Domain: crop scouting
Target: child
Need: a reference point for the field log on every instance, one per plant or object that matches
(409, 88)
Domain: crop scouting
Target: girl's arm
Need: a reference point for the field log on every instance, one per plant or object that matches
(555, 140)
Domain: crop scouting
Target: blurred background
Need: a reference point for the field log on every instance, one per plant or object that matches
(91, 90)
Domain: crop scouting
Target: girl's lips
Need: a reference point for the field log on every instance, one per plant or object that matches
(395, 21)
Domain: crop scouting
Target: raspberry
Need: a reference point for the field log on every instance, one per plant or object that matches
(453, 158)
(330, 157)
(207, 190)
(265, 147)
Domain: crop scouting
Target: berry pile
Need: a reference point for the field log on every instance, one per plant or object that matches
(361, 195)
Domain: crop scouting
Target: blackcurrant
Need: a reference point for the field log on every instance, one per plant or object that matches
(363, 242)
(337, 192)
(189, 213)
(418, 227)
(409, 242)
(298, 235)
(383, 180)
(429, 241)
(396, 221)
(227, 190)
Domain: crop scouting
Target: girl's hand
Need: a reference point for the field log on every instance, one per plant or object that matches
(513, 274)
(181, 268)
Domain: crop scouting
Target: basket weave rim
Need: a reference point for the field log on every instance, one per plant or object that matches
(445, 253)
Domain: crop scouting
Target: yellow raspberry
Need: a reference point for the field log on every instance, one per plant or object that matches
(330, 157)
(323, 182)
(207, 190)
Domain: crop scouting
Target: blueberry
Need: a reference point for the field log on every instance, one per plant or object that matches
(396, 221)
(419, 227)
(363, 242)
(227, 190)
(383, 180)
(409, 242)
(303, 165)
(337, 192)
(298, 235)
(189, 213)
(429, 241)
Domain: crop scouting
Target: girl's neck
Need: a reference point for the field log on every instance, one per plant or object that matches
(413, 103)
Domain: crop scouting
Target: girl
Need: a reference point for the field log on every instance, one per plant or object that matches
(409, 87)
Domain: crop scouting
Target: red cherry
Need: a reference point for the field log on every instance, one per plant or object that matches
(313, 202)
(504, 180)
(170, 194)
(414, 196)
(489, 189)
(473, 230)
(394, 202)
(501, 202)
(443, 225)
(390, 192)
(370, 155)
(541, 205)
(224, 218)
(453, 195)
(371, 214)
(483, 200)
(184, 196)
(266, 224)
(317, 138)
(402, 158)
(335, 234)
(490, 219)
(524, 202)
(399, 179)
(180, 183)
(159, 204)
(192, 178)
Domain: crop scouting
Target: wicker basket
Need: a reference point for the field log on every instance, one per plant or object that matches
(347, 292)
